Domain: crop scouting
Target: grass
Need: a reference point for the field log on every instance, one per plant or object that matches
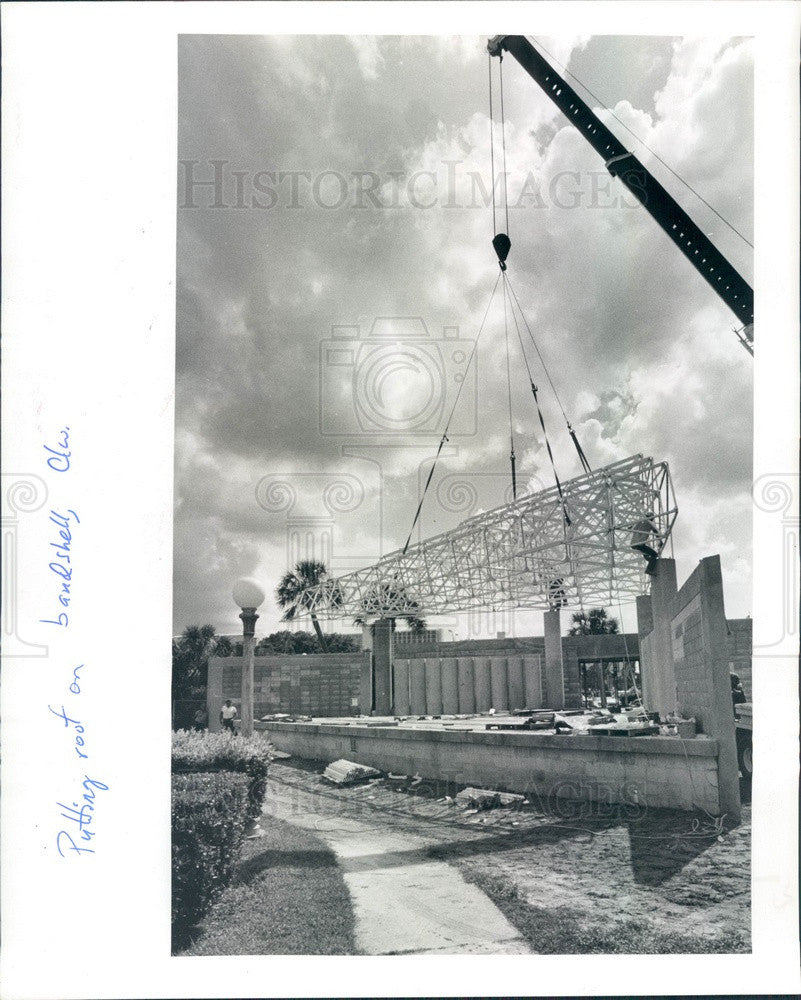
(288, 897)
(563, 930)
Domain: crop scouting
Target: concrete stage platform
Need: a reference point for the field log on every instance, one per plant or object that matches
(646, 771)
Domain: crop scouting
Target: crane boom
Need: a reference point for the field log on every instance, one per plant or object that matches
(674, 221)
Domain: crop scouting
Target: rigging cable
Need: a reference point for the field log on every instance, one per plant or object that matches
(450, 416)
(582, 457)
(643, 143)
(509, 391)
(534, 390)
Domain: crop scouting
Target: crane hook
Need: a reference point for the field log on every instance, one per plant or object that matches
(502, 245)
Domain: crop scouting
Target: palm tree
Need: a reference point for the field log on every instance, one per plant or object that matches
(292, 593)
(190, 667)
(594, 622)
(391, 597)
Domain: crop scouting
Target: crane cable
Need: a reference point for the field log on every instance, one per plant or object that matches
(444, 437)
(503, 144)
(502, 245)
(492, 148)
(500, 241)
(642, 142)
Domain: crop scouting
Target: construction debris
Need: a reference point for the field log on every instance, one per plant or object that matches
(483, 798)
(523, 719)
(346, 772)
(626, 729)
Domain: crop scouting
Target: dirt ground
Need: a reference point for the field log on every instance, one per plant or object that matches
(571, 877)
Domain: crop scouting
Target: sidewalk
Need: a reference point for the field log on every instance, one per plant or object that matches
(404, 902)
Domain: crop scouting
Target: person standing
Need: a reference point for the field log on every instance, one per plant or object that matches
(641, 535)
(738, 696)
(227, 716)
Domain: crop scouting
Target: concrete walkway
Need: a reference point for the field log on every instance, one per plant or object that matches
(404, 902)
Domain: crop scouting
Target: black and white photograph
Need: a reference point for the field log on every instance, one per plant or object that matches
(463, 436)
(402, 568)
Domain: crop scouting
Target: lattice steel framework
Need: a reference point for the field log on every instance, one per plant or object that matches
(523, 554)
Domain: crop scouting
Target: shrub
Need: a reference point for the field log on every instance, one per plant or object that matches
(209, 813)
(203, 752)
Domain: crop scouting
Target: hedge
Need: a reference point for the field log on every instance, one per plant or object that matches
(202, 751)
(218, 785)
(209, 813)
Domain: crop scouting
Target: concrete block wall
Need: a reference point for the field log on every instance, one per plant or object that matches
(462, 685)
(657, 772)
(685, 662)
(331, 684)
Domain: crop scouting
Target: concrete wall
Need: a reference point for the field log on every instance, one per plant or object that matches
(658, 772)
(330, 684)
(462, 685)
(685, 661)
(574, 648)
(657, 671)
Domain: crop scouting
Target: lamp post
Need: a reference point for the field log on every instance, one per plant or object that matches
(249, 595)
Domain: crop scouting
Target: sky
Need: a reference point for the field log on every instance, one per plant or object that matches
(334, 262)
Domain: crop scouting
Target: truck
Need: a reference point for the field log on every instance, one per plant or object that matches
(743, 731)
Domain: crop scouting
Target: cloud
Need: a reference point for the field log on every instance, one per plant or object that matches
(353, 174)
(368, 54)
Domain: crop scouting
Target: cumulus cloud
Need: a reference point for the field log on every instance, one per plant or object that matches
(327, 182)
(368, 54)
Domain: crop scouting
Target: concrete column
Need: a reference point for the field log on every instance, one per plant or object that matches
(433, 685)
(417, 686)
(498, 686)
(532, 676)
(571, 678)
(483, 683)
(450, 685)
(366, 683)
(554, 668)
(657, 665)
(645, 625)
(401, 687)
(719, 722)
(383, 650)
(466, 681)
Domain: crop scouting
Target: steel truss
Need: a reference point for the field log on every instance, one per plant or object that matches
(524, 554)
